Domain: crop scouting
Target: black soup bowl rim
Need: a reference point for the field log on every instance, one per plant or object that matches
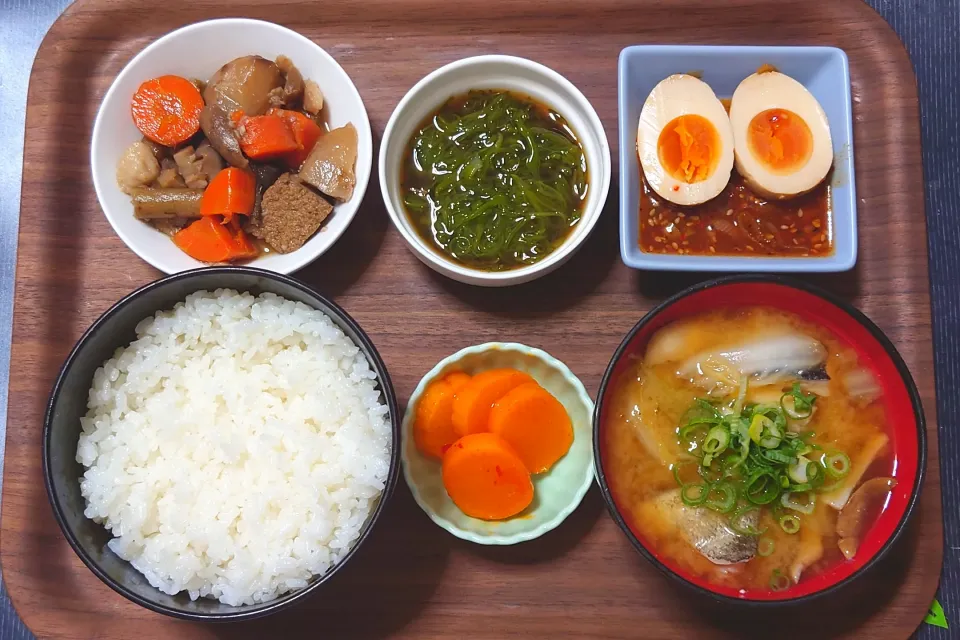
(877, 334)
(286, 600)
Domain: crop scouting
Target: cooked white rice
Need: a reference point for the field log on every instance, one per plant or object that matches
(236, 448)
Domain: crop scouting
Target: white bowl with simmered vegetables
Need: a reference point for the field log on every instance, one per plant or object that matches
(494, 169)
(231, 141)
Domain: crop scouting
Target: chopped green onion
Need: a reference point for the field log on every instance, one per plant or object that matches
(815, 474)
(765, 547)
(778, 581)
(698, 498)
(716, 441)
(837, 464)
(789, 523)
(741, 395)
(757, 426)
(775, 455)
(798, 470)
(676, 473)
(792, 500)
(797, 404)
(726, 502)
(762, 488)
(738, 524)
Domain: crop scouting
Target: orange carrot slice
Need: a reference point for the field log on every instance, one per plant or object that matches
(305, 131)
(433, 426)
(206, 240)
(232, 191)
(167, 109)
(266, 137)
(471, 409)
(485, 478)
(457, 380)
(535, 424)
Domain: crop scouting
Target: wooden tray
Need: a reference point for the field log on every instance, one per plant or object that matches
(412, 579)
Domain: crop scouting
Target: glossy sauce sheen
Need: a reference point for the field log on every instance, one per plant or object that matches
(738, 222)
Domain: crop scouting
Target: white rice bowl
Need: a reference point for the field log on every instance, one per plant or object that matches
(235, 449)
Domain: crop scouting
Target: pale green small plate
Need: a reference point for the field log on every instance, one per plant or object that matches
(556, 493)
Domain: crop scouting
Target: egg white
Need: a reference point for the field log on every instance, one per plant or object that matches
(773, 90)
(676, 96)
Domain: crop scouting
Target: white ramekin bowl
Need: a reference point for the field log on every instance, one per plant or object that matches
(512, 74)
(197, 51)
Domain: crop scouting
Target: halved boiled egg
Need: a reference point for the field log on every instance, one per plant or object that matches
(782, 137)
(684, 141)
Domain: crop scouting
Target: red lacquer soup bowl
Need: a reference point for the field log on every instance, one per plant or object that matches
(873, 349)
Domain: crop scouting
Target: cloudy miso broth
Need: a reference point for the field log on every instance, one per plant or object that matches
(748, 448)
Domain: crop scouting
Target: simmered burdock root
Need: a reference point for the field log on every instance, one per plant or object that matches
(330, 166)
(291, 214)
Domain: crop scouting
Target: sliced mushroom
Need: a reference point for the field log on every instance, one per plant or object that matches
(137, 167)
(312, 97)
(216, 125)
(852, 521)
(293, 80)
(266, 175)
(244, 84)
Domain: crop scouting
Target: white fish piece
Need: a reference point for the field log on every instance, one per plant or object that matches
(768, 360)
(859, 463)
(708, 531)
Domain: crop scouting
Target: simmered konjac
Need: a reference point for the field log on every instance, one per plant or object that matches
(239, 164)
(749, 448)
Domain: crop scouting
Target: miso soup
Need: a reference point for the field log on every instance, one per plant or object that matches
(749, 448)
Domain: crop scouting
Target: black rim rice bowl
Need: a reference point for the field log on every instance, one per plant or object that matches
(68, 403)
(908, 435)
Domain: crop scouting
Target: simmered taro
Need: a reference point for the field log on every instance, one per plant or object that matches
(206, 171)
(494, 180)
(330, 166)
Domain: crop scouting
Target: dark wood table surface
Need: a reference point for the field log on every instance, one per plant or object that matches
(928, 29)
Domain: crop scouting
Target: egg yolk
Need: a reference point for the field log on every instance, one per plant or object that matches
(780, 139)
(689, 148)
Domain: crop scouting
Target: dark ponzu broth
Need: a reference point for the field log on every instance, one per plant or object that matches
(494, 179)
(642, 446)
(738, 222)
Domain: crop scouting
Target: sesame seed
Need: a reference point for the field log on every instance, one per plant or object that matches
(823, 237)
(784, 227)
(697, 218)
(676, 220)
(750, 247)
(674, 245)
(816, 224)
(729, 212)
(713, 250)
(800, 213)
(817, 246)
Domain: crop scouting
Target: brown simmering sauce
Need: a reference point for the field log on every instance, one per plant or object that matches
(738, 222)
